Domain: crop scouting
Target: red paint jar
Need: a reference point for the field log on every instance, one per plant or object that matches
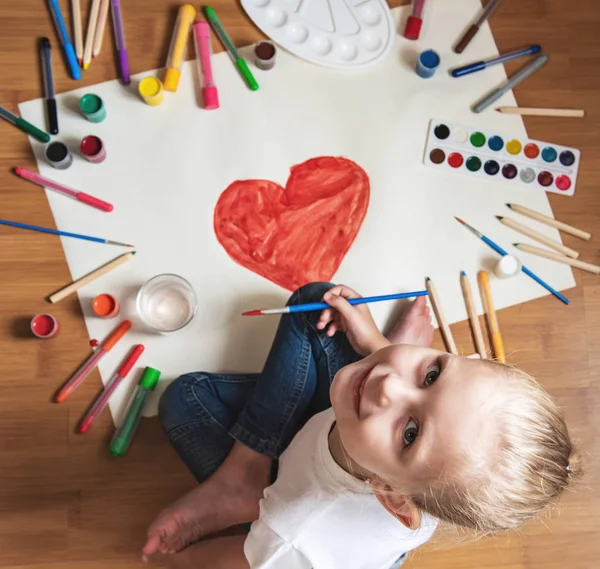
(44, 326)
(92, 149)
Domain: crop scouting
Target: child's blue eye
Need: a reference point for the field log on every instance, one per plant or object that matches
(411, 432)
(432, 374)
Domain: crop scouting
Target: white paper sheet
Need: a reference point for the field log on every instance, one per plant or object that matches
(167, 166)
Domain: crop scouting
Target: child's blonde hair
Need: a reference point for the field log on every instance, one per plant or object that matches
(534, 461)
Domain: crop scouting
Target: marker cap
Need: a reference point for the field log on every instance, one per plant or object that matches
(413, 28)
(210, 95)
(150, 378)
(171, 80)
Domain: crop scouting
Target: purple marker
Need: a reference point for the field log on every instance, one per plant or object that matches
(120, 40)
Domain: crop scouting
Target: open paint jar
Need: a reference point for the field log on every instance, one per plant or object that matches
(167, 303)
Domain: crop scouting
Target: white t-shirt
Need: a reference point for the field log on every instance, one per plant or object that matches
(317, 516)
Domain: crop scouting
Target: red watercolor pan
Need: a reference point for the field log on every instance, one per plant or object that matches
(498, 156)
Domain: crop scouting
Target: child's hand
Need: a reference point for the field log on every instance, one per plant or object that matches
(355, 321)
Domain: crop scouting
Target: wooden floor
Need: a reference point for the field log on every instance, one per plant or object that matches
(65, 503)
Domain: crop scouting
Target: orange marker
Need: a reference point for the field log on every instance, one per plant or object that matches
(486, 298)
(92, 361)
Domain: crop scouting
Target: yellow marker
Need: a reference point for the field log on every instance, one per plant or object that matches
(486, 299)
(151, 90)
(185, 19)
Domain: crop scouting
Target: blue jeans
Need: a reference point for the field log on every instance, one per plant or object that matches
(203, 414)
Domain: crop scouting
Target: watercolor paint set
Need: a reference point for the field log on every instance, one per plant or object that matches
(496, 156)
(347, 33)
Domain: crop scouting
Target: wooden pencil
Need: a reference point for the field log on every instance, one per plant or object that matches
(91, 32)
(524, 230)
(472, 314)
(77, 29)
(441, 319)
(99, 36)
(589, 267)
(550, 221)
(86, 279)
(541, 112)
(486, 298)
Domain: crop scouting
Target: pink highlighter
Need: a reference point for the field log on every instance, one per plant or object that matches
(210, 95)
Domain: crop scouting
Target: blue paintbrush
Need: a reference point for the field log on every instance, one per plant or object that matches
(499, 249)
(310, 306)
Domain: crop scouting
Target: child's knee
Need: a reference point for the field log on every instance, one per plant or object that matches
(174, 404)
(311, 292)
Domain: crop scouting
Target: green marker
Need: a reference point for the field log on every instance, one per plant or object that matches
(233, 52)
(27, 126)
(124, 435)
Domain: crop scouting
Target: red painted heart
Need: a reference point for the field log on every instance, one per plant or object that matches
(300, 233)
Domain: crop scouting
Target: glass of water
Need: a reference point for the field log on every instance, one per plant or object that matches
(167, 303)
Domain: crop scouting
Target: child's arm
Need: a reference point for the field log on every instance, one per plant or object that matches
(355, 321)
(217, 553)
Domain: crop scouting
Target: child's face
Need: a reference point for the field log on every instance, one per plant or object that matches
(411, 414)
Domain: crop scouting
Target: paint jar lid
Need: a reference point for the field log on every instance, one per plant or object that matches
(507, 266)
(150, 378)
(413, 28)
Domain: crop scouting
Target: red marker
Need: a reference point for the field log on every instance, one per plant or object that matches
(102, 401)
(75, 194)
(92, 361)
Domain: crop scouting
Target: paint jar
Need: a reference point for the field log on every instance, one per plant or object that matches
(427, 63)
(92, 107)
(507, 266)
(58, 155)
(44, 326)
(92, 149)
(264, 55)
(167, 303)
(133, 413)
(152, 91)
(105, 306)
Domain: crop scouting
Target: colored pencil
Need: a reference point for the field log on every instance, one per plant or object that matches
(75, 194)
(91, 32)
(25, 126)
(311, 306)
(486, 298)
(589, 267)
(439, 316)
(86, 279)
(62, 233)
(501, 251)
(561, 226)
(535, 235)
(472, 314)
(540, 112)
(472, 30)
(511, 82)
(77, 29)
(99, 35)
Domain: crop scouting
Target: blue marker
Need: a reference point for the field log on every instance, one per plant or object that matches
(473, 67)
(64, 39)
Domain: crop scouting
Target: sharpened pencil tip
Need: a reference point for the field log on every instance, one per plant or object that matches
(463, 273)
(85, 66)
(499, 217)
(427, 279)
(508, 205)
(515, 244)
(498, 110)
(133, 252)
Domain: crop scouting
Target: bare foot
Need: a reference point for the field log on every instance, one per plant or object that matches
(229, 497)
(414, 327)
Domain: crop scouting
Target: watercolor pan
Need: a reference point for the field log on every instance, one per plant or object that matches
(496, 156)
(342, 34)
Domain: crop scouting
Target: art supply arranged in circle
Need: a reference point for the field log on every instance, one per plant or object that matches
(167, 303)
(427, 63)
(92, 149)
(92, 107)
(265, 53)
(58, 155)
(152, 91)
(501, 157)
(44, 326)
(105, 306)
(335, 34)
(210, 93)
